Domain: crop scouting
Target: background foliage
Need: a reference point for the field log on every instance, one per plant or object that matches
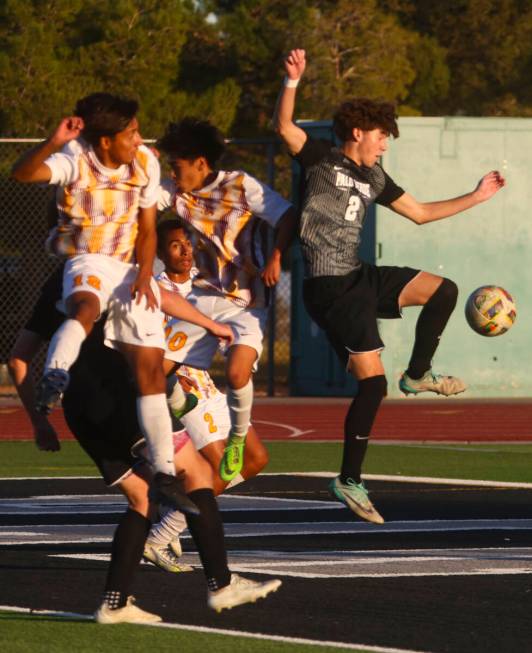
(222, 59)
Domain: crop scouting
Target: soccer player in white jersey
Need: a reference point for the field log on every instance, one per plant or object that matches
(225, 210)
(209, 424)
(345, 295)
(107, 192)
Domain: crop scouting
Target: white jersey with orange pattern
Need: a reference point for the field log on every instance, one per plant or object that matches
(228, 216)
(98, 206)
(174, 337)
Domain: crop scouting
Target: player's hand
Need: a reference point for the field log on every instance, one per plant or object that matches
(223, 332)
(272, 271)
(68, 129)
(46, 438)
(142, 289)
(489, 185)
(295, 63)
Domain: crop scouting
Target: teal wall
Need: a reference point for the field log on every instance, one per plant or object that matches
(438, 158)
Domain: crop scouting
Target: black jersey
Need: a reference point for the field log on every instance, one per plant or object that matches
(337, 195)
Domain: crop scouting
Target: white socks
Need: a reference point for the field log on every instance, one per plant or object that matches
(175, 396)
(156, 427)
(240, 402)
(64, 346)
(172, 524)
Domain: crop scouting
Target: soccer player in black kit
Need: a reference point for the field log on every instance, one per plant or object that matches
(345, 295)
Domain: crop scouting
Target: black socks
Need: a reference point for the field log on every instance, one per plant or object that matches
(208, 534)
(430, 325)
(358, 424)
(126, 552)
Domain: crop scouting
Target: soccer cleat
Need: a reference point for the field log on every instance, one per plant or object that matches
(176, 547)
(430, 382)
(165, 558)
(50, 390)
(166, 490)
(355, 497)
(191, 401)
(233, 457)
(129, 614)
(240, 590)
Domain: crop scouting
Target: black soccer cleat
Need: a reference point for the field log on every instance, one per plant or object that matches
(166, 490)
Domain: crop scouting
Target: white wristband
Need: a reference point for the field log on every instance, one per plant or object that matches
(291, 83)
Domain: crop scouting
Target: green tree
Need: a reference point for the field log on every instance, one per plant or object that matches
(55, 51)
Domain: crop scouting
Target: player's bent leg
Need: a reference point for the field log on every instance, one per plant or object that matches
(438, 297)
(239, 367)
(83, 309)
(348, 487)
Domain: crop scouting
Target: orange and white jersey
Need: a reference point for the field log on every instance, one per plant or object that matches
(98, 206)
(205, 387)
(227, 216)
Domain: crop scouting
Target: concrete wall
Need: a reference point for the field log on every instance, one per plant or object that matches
(438, 158)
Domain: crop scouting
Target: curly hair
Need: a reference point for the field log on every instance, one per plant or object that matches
(366, 115)
(191, 138)
(104, 115)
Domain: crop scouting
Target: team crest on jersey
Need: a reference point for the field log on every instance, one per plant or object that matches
(347, 182)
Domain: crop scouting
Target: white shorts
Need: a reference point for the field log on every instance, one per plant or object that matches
(192, 345)
(209, 421)
(111, 280)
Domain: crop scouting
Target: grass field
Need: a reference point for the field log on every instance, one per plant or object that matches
(480, 462)
(24, 633)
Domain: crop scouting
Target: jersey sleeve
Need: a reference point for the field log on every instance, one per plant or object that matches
(264, 202)
(150, 193)
(390, 192)
(312, 152)
(166, 196)
(63, 167)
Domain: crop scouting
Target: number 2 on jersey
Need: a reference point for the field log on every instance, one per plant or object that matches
(352, 208)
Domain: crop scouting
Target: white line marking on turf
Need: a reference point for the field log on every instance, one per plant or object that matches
(413, 479)
(295, 432)
(224, 631)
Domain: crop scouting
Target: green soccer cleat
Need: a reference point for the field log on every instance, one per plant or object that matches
(355, 497)
(430, 382)
(233, 458)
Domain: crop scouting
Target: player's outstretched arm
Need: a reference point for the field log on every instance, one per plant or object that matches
(283, 115)
(172, 303)
(31, 167)
(285, 233)
(422, 212)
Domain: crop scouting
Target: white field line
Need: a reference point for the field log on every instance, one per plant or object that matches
(414, 479)
(394, 574)
(223, 631)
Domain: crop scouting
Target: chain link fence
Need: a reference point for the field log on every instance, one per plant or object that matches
(25, 218)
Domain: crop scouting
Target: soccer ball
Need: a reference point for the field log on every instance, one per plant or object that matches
(490, 311)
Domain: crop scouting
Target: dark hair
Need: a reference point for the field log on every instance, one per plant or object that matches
(169, 225)
(191, 138)
(366, 115)
(104, 115)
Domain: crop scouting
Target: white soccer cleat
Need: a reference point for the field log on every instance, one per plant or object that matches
(430, 382)
(355, 497)
(129, 614)
(240, 590)
(165, 558)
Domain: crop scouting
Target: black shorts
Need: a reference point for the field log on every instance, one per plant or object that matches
(45, 319)
(347, 307)
(100, 407)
